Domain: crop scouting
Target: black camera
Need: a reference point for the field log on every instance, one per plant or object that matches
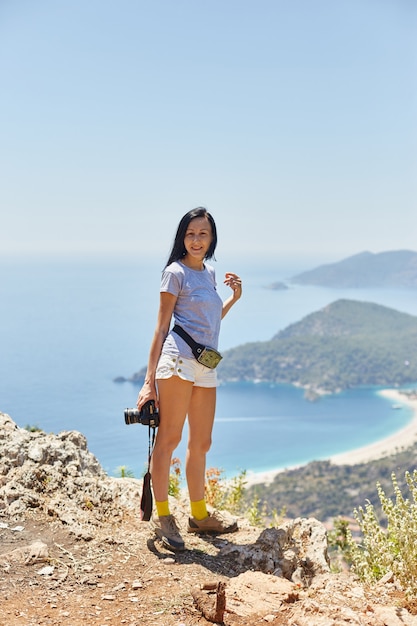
(148, 415)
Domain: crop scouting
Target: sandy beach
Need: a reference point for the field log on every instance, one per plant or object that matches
(389, 445)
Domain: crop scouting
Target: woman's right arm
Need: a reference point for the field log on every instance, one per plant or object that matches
(166, 309)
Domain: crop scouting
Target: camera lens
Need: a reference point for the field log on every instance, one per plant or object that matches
(132, 416)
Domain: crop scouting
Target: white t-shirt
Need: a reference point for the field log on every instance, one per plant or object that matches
(198, 308)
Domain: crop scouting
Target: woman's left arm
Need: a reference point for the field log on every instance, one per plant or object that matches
(234, 282)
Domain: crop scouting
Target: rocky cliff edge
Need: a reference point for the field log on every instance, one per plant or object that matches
(73, 550)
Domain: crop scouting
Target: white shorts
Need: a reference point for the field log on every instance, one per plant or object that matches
(187, 369)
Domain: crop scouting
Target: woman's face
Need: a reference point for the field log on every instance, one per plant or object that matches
(198, 238)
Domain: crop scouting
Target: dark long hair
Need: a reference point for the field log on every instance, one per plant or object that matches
(178, 249)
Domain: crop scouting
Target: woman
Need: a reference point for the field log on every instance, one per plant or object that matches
(180, 385)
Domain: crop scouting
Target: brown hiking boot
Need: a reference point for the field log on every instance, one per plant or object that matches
(167, 530)
(217, 522)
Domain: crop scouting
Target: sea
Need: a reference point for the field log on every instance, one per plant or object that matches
(70, 326)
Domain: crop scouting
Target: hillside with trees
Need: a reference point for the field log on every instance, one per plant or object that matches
(344, 345)
(323, 490)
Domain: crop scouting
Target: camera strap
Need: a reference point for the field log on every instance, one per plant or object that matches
(146, 502)
(151, 444)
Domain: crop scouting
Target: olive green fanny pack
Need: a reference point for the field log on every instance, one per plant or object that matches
(204, 355)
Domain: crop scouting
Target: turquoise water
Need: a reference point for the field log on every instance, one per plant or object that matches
(69, 327)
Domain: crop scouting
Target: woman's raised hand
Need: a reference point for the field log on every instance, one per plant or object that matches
(235, 283)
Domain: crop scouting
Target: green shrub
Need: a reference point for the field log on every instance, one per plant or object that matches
(338, 545)
(256, 512)
(175, 478)
(124, 472)
(33, 428)
(393, 549)
(337, 538)
(225, 494)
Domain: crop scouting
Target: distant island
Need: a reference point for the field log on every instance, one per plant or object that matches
(386, 269)
(278, 286)
(344, 345)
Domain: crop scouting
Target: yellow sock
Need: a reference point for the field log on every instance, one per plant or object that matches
(199, 509)
(162, 508)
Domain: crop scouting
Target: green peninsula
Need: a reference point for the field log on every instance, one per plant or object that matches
(346, 344)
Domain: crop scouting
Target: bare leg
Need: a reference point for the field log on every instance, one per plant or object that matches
(200, 418)
(174, 399)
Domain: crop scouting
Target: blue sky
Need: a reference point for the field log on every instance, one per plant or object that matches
(293, 121)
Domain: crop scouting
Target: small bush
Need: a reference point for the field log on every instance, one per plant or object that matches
(175, 478)
(224, 494)
(338, 537)
(393, 549)
(255, 514)
(338, 545)
(33, 428)
(220, 493)
(124, 472)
